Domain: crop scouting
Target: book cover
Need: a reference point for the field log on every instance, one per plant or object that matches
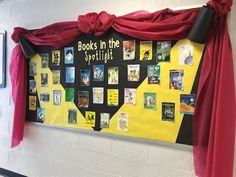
(83, 99)
(112, 97)
(98, 72)
(40, 114)
(70, 74)
(122, 122)
(145, 50)
(153, 74)
(32, 86)
(72, 116)
(187, 103)
(70, 94)
(133, 72)
(150, 100)
(56, 57)
(69, 55)
(168, 111)
(56, 97)
(104, 120)
(186, 55)
(32, 103)
(44, 97)
(32, 68)
(163, 51)
(85, 77)
(113, 75)
(130, 96)
(90, 117)
(98, 95)
(44, 60)
(44, 79)
(55, 76)
(176, 79)
(129, 50)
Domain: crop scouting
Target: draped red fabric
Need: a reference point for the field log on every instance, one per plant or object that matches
(19, 86)
(214, 120)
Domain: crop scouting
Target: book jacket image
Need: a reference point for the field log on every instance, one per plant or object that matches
(69, 55)
(130, 96)
(113, 75)
(85, 77)
(98, 72)
(163, 51)
(122, 124)
(129, 50)
(153, 74)
(83, 99)
(187, 103)
(145, 50)
(56, 57)
(176, 79)
(133, 72)
(168, 111)
(112, 97)
(150, 100)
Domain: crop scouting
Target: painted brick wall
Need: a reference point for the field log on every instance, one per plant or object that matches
(54, 152)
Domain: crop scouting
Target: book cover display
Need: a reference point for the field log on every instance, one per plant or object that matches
(116, 84)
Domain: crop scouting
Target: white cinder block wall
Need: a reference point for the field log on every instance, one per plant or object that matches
(52, 152)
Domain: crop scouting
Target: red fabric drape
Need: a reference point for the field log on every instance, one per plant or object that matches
(214, 120)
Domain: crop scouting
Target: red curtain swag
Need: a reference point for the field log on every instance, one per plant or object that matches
(214, 119)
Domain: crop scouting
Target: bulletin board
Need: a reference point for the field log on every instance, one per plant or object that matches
(117, 84)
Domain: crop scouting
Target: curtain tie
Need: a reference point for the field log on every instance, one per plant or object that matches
(95, 23)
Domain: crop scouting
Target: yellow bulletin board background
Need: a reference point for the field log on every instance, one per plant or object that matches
(143, 123)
